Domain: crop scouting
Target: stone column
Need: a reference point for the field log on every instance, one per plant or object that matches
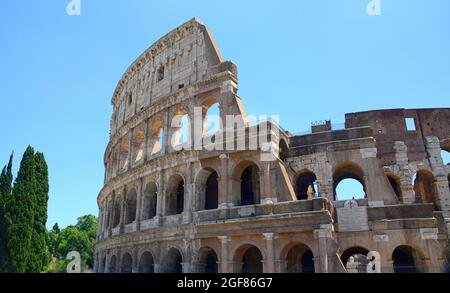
(146, 139)
(406, 184)
(224, 258)
(324, 235)
(224, 201)
(139, 204)
(131, 150)
(269, 265)
(122, 210)
(267, 196)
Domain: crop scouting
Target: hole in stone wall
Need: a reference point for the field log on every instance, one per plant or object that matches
(410, 124)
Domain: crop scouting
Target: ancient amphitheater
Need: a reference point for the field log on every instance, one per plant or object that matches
(166, 207)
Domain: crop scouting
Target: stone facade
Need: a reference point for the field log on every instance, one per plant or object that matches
(165, 209)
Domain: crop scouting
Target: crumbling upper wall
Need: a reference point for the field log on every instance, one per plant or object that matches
(389, 126)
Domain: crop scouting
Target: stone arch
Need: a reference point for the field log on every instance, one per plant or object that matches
(247, 174)
(181, 130)
(407, 259)
(348, 171)
(283, 149)
(138, 144)
(395, 183)
(127, 264)
(306, 185)
(207, 261)
(112, 265)
(150, 199)
(445, 153)
(131, 206)
(249, 259)
(146, 263)
(175, 195)
(299, 258)
(173, 261)
(207, 182)
(156, 140)
(211, 116)
(355, 259)
(424, 187)
(124, 150)
(116, 212)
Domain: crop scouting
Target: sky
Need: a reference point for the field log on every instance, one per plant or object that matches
(304, 60)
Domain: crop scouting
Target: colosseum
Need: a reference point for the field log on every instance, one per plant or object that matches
(268, 203)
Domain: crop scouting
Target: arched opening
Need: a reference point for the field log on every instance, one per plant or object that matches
(211, 115)
(348, 182)
(182, 130)
(115, 163)
(112, 265)
(284, 150)
(124, 149)
(150, 201)
(394, 181)
(306, 185)
(355, 260)
(212, 192)
(250, 185)
(174, 262)
(252, 261)
(208, 261)
(139, 137)
(175, 198)
(116, 218)
(156, 137)
(405, 260)
(160, 73)
(146, 264)
(127, 264)
(424, 187)
(445, 153)
(131, 204)
(103, 267)
(300, 259)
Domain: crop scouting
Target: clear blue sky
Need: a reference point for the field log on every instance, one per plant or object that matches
(305, 60)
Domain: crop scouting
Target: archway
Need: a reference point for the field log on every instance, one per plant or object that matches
(211, 116)
(300, 259)
(248, 172)
(157, 137)
(124, 149)
(181, 126)
(406, 260)
(116, 215)
(146, 264)
(251, 258)
(306, 185)
(355, 260)
(138, 147)
(131, 204)
(394, 181)
(174, 262)
(348, 182)
(112, 265)
(424, 187)
(212, 192)
(208, 261)
(127, 264)
(150, 201)
(175, 198)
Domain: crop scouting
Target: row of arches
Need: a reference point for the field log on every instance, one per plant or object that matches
(179, 131)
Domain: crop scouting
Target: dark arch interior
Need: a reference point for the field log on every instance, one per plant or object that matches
(209, 260)
(116, 219)
(306, 185)
(112, 265)
(300, 259)
(150, 202)
(131, 207)
(146, 264)
(424, 187)
(395, 186)
(212, 192)
(252, 261)
(174, 262)
(175, 198)
(355, 252)
(404, 260)
(104, 269)
(250, 186)
(180, 197)
(284, 150)
(127, 264)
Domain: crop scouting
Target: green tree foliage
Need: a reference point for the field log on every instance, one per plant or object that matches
(6, 179)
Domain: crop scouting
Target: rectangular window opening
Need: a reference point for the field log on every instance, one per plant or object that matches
(410, 124)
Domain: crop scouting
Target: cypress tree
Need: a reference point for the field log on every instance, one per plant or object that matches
(22, 214)
(39, 250)
(6, 179)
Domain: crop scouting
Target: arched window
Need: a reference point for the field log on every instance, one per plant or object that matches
(175, 198)
(127, 264)
(124, 149)
(139, 137)
(406, 260)
(146, 264)
(424, 187)
(355, 260)
(150, 201)
(248, 172)
(112, 265)
(182, 131)
(348, 182)
(300, 260)
(173, 262)
(131, 204)
(208, 261)
(252, 261)
(445, 157)
(211, 116)
(160, 74)
(394, 182)
(157, 138)
(306, 185)
(212, 192)
(116, 219)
